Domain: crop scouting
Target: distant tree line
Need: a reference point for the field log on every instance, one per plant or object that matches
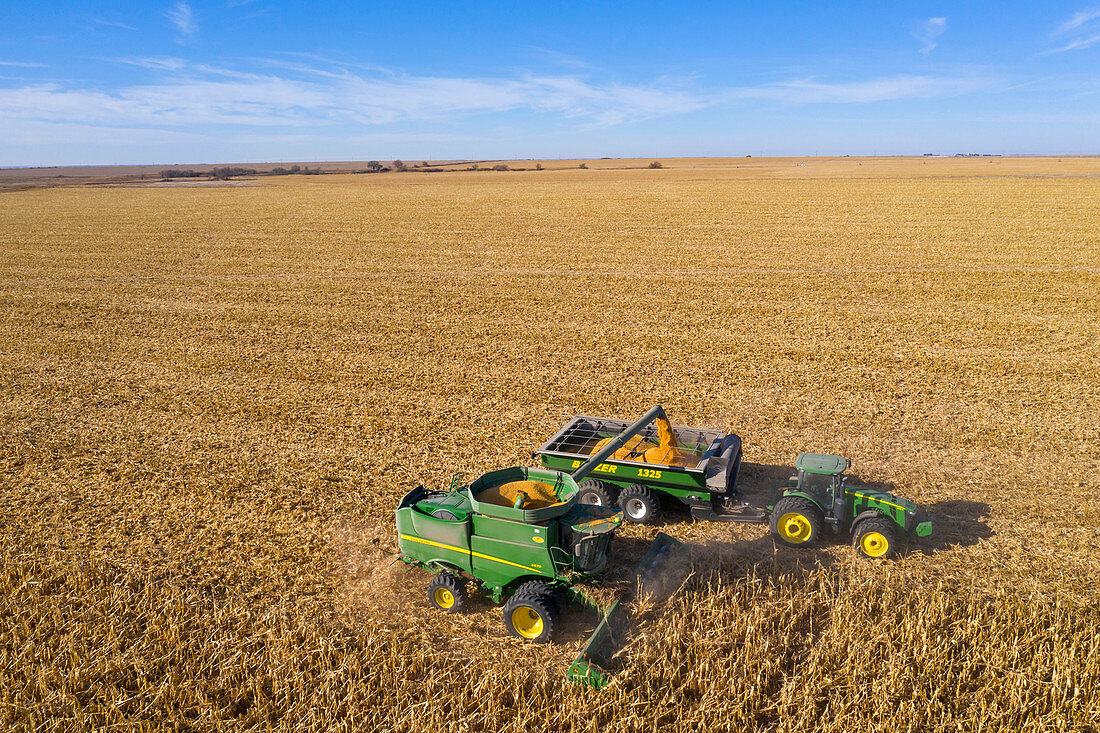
(177, 173)
(224, 173)
(293, 170)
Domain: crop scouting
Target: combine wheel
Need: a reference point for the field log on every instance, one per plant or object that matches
(796, 522)
(447, 593)
(640, 504)
(542, 589)
(530, 617)
(876, 538)
(594, 491)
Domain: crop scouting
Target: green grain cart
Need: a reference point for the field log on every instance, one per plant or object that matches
(706, 483)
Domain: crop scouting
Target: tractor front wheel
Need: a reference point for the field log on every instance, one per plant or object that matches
(448, 593)
(796, 522)
(530, 617)
(640, 504)
(594, 491)
(876, 538)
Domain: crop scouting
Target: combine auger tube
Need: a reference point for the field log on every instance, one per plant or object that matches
(592, 666)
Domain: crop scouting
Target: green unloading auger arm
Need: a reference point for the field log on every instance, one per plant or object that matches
(617, 442)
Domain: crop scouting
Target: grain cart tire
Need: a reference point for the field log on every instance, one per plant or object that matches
(540, 588)
(594, 491)
(531, 618)
(876, 538)
(640, 504)
(796, 522)
(448, 593)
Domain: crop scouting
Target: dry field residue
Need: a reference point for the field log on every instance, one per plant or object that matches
(214, 398)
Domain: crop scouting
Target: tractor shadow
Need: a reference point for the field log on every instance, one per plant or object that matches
(956, 523)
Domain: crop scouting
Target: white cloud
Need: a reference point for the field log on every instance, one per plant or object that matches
(25, 64)
(1080, 18)
(1080, 31)
(928, 31)
(114, 24)
(807, 91)
(183, 18)
(330, 101)
(558, 58)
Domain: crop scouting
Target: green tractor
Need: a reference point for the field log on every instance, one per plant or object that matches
(819, 496)
(534, 552)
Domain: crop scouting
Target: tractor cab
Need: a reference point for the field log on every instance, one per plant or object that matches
(822, 476)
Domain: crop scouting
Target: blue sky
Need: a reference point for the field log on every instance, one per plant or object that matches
(260, 80)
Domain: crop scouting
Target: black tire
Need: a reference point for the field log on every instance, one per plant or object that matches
(796, 522)
(876, 538)
(594, 491)
(531, 618)
(640, 504)
(448, 593)
(540, 588)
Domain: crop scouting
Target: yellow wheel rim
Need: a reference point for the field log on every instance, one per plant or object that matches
(874, 544)
(444, 598)
(527, 622)
(794, 527)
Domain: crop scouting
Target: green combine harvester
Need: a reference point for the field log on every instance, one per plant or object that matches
(534, 553)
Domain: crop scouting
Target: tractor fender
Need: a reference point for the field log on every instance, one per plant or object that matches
(809, 497)
(868, 514)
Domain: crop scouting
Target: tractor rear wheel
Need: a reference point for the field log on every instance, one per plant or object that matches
(530, 617)
(876, 538)
(594, 491)
(537, 588)
(640, 504)
(448, 593)
(796, 522)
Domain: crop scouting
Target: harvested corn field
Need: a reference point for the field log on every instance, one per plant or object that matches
(214, 398)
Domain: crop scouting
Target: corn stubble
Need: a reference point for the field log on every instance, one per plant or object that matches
(214, 398)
